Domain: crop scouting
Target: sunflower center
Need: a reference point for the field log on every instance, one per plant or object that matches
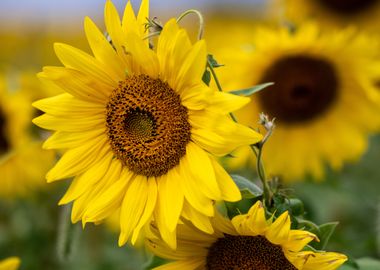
(304, 88)
(4, 144)
(246, 252)
(348, 7)
(147, 125)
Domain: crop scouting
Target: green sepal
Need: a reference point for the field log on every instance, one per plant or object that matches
(248, 189)
(249, 91)
(212, 62)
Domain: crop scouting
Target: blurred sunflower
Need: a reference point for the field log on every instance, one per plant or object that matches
(323, 98)
(139, 127)
(248, 241)
(335, 13)
(11, 263)
(22, 162)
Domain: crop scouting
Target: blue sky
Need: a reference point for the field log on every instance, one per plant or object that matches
(56, 10)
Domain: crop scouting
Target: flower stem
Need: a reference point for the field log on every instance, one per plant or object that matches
(200, 17)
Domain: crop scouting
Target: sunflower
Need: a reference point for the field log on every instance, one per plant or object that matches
(20, 170)
(248, 241)
(140, 128)
(335, 13)
(11, 263)
(323, 98)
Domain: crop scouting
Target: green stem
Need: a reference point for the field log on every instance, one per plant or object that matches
(258, 153)
(218, 85)
(200, 17)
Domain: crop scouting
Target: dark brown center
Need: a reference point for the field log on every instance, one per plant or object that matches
(348, 7)
(246, 252)
(148, 127)
(304, 88)
(4, 144)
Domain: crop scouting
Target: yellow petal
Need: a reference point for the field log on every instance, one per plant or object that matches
(64, 140)
(278, 231)
(142, 55)
(132, 207)
(149, 208)
(103, 51)
(170, 198)
(66, 104)
(192, 192)
(86, 180)
(77, 160)
(202, 171)
(74, 58)
(190, 264)
(78, 84)
(11, 263)
(199, 220)
(325, 261)
(193, 67)
(108, 201)
(76, 124)
(230, 192)
(299, 239)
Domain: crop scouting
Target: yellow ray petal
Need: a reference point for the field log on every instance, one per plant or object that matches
(192, 192)
(85, 181)
(230, 192)
(149, 208)
(202, 171)
(132, 207)
(199, 220)
(170, 198)
(76, 59)
(77, 83)
(77, 160)
(278, 231)
(63, 140)
(66, 104)
(103, 50)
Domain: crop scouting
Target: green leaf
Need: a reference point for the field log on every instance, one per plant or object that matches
(206, 77)
(249, 91)
(368, 264)
(325, 232)
(213, 63)
(296, 207)
(248, 189)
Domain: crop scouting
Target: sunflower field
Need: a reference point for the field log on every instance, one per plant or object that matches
(190, 135)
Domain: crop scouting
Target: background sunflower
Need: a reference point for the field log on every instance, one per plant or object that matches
(318, 82)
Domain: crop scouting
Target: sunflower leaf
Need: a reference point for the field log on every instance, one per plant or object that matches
(206, 77)
(325, 232)
(248, 189)
(368, 263)
(249, 91)
(213, 63)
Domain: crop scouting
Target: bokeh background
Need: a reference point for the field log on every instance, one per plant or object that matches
(35, 228)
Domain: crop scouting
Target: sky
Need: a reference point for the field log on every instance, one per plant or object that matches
(37, 11)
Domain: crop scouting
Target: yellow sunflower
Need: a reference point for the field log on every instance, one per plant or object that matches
(323, 97)
(140, 127)
(334, 13)
(22, 162)
(11, 263)
(248, 241)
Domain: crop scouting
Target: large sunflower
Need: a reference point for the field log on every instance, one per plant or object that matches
(140, 127)
(11, 263)
(21, 172)
(323, 97)
(335, 13)
(248, 241)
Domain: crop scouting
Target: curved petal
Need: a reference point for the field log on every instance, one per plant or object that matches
(132, 207)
